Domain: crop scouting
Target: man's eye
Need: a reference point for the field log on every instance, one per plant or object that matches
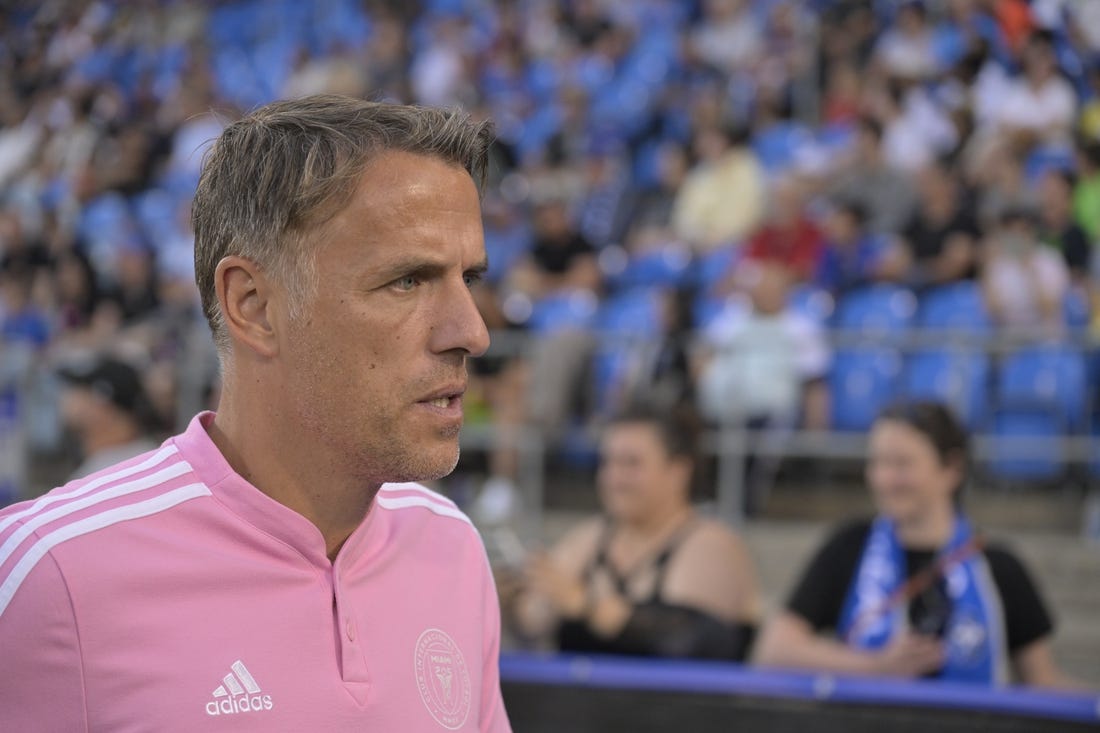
(406, 283)
(472, 278)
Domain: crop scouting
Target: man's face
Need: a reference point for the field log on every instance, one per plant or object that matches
(376, 361)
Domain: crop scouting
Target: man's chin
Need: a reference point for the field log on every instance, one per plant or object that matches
(428, 466)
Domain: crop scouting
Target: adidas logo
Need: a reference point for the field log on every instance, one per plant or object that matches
(238, 693)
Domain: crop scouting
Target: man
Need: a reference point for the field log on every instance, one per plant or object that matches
(106, 407)
(262, 571)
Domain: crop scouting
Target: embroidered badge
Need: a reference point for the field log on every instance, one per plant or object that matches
(442, 678)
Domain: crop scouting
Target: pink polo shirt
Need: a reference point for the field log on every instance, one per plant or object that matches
(168, 594)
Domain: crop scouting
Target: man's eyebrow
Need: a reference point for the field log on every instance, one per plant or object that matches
(425, 268)
(479, 268)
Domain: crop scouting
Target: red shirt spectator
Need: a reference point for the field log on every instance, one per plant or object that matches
(788, 237)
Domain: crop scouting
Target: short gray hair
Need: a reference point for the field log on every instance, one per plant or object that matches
(291, 165)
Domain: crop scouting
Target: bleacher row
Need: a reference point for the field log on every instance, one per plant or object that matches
(889, 342)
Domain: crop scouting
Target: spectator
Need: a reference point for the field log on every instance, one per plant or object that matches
(22, 322)
(1003, 186)
(652, 577)
(604, 205)
(764, 368)
(915, 592)
(887, 194)
(1058, 229)
(787, 238)
(916, 128)
(842, 95)
(651, 216)
(906, 50)
(1024, 283)
(135, 292)
(723, 197)
(561, 259)
(562, 262)
(941, 239)
(660, 369)
(1089, 122)
(83, 317)
(1040, 106)
(853, 257)
(729, 36)
(108, 411)
(1086, 194)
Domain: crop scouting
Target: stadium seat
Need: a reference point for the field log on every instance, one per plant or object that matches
(665, 267)
(626, 322)
(881, 308)
(1045, 378)
(1021, 424)
(954, 307)
(778, 146)
(958, 378)
(711, 267)
(862, 382)
(574, 309)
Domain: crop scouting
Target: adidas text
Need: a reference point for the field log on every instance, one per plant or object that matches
(252, 703)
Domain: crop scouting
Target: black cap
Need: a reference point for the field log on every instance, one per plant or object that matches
(114, 381)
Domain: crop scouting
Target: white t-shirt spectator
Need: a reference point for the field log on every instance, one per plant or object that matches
(1019, 285)
(918, 135)
(1048, 110)
(910, 56)
(760, 364)
(732, 44)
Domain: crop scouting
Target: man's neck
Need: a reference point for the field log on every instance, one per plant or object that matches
(298, 473)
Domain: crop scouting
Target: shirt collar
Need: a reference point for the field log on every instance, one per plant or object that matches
(248, 502)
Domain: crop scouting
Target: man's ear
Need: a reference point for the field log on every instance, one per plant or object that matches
(247, 299)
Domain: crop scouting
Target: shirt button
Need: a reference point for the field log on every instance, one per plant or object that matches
(349, 627)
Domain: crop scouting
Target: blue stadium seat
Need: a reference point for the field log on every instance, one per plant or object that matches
(664, 267)
(955, 307)
(862, 382)
(710, 268)
(1006, 461)
(1046, 378)
(573, 309)
(778, 145)
(884, 308)
(632, 313)
(958, 378)
(627, 321)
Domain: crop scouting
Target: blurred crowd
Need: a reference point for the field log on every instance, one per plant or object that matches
(685, 198)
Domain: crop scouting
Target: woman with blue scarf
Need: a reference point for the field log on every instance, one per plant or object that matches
(916, 592)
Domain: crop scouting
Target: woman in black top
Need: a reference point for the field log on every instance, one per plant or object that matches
(915, 592)
(651, 577)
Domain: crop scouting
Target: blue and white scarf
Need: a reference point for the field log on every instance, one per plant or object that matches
(975, 638)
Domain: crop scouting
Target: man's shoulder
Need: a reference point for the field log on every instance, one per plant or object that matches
(92, 509)
(415, 503)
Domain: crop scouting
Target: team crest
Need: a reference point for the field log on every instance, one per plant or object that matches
(442, 678)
